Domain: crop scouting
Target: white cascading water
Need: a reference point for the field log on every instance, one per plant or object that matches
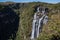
(36, 25)
(40, 21)
(33, 26)
(45, 20)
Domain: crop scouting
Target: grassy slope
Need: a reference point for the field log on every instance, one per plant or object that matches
(52, 27)
(26, 17)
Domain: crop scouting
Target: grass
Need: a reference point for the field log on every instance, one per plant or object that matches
(52, 27)
(26, 17)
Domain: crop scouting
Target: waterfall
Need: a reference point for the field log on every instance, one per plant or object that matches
(37, 23)
(33, 26)
(45, 20)
(38, 9)
(40, 21)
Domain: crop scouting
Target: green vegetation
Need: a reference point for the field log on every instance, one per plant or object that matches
(51, 28)
(49, 31)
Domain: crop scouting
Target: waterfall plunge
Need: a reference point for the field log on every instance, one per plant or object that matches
(36, 24)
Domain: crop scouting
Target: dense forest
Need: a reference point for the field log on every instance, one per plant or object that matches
(16, 21)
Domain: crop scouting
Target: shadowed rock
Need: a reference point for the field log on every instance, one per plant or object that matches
(9, 22)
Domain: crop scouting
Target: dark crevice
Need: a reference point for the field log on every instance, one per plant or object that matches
(9, 22)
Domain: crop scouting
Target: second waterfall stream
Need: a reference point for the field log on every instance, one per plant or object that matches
(39, 19)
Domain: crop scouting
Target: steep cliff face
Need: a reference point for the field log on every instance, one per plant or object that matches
(9, 23)
(13, 28)
(27, 18)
